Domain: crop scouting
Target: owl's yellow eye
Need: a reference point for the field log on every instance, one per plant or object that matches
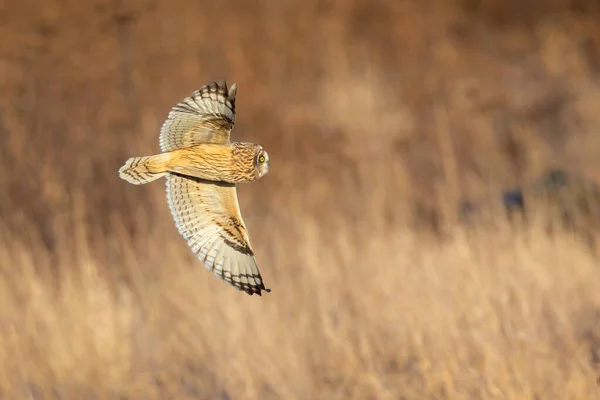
(261, 159)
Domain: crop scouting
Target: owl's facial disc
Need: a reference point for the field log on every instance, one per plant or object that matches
(262, 163)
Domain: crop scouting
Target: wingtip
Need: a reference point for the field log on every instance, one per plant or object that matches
(222, 83)
(257, 291)
(232, 91)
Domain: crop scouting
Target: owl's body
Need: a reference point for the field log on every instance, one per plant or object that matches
(235, 163)
(201, 168)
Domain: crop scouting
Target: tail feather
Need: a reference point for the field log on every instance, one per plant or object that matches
(141, 170)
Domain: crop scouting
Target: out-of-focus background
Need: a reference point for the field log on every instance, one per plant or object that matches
(428, 227)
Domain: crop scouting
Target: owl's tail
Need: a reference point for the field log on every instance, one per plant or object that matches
(141, 170)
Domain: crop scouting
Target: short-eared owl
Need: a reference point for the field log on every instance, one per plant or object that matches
(202, 169)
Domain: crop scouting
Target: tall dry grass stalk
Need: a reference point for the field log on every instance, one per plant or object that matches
(381, 119)
(370, 314)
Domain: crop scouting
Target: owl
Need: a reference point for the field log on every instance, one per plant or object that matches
(202, 168)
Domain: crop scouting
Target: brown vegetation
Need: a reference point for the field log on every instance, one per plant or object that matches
(381, 118)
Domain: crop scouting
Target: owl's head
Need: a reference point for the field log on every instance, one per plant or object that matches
(252, 161)
(262, 162)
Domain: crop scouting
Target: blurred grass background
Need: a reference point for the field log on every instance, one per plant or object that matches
(387, 124)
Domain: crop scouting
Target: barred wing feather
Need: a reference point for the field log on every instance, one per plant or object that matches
(207, 215)
(207, 116)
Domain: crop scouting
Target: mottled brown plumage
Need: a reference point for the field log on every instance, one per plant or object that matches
(202, 167)
(236, 163)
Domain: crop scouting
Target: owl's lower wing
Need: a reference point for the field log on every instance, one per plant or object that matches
(206, 116)
(208, 216)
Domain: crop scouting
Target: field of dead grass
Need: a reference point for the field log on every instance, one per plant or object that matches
(380, 118)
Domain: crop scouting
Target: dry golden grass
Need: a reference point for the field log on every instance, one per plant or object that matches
(380, 118)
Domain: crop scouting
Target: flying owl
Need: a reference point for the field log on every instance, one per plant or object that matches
(202, 168)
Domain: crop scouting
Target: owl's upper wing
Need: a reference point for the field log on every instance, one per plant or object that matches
(207, 116)
(208, 216)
